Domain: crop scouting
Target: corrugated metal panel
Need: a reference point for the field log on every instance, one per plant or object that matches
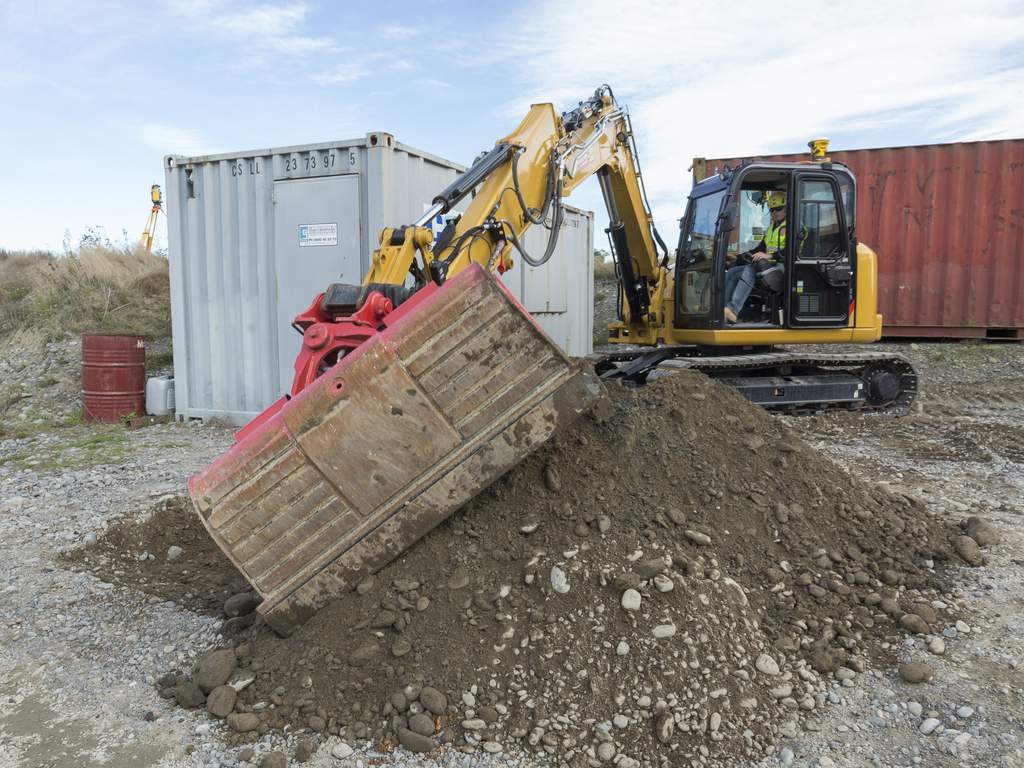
(560, 294)
(227, 282)
(947, 222)
(236, 281)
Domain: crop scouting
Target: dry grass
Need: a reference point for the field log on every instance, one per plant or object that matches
(96, 289)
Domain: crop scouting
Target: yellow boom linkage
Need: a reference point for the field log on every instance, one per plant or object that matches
(527, 173)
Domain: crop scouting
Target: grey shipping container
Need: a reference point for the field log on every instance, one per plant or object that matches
(253, 236)
(560, 294)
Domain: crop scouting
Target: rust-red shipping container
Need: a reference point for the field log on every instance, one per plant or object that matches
(113, 376)
(947, 222)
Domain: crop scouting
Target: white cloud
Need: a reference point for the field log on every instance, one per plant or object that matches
(170, 139)
(344, 73)
(398, 32)
(402, 65)
(274, 28)
(725, 79)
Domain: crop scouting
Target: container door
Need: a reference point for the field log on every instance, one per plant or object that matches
(316, 242)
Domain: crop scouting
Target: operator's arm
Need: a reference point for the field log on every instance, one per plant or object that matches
(750, 256)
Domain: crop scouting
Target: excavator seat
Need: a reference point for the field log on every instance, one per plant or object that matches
(766, 296)
(771, 279)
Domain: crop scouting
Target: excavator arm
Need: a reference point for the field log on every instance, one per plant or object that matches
(521, 182)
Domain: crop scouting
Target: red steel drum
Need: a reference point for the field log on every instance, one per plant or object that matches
(113, 376)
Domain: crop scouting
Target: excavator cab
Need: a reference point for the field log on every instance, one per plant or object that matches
(811, 282)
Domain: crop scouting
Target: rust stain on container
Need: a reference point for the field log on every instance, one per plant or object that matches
(113, 376)
(457, 389)
(947, 222)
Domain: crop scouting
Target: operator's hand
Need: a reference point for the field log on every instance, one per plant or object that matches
(762, 257)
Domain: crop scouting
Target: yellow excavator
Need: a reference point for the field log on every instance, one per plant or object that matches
(418, 388)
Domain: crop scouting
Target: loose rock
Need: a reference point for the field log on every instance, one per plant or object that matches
(982, 531)
(916, 672)
(422, 724)
(664, 727)
(968, 550)
(914, 623)
(221, 701)
(415, 742)
(559, 581)
(243, 722)
(435, 701)
(341, 750)
(701, 539)
(631, 600)
(215, 669)
(766, 665)
(664, 630)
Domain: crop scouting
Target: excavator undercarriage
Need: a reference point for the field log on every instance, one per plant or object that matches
(781, 379)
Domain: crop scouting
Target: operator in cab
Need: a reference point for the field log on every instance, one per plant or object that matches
(739, 279)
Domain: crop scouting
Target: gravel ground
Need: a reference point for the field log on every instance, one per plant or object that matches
(962, 452)
(78, 656)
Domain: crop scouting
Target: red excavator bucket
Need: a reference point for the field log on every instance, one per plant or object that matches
(458, 386)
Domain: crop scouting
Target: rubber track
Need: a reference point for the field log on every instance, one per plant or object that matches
(769, 362)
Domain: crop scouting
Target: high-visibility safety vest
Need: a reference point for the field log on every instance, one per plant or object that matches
(775, 238)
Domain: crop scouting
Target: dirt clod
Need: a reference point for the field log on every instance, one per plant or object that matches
(916, 672)
(241, 604)
(274, 760)
(188, 695)
(982, 531)
(968, 550)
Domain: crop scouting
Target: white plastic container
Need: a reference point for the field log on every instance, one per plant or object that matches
(160, 395)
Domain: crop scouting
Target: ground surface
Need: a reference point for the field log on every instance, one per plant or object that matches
(79, 654)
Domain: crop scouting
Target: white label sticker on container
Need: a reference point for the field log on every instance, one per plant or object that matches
(318, 234)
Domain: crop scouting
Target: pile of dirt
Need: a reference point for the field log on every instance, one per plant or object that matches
(138, 553)
(676, 579)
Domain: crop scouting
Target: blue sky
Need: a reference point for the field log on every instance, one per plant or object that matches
(95, 93)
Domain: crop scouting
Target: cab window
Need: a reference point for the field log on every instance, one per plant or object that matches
(820, 236)
(699, 240)
(697, 250)
(847, 192)
(754, 221)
